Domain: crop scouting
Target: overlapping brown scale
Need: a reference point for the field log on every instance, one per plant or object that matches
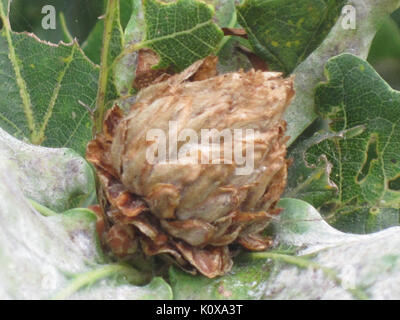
(150, 229)
(274, 191)
(255, 242)
(101, 223)
(112, 119)
(206, 70)
(210, 261)
(119, 197)
(231, 234)
(145, 74)
(192, 214)
(122, 240)
(98, 151)
(167, 251)
(222, 226)
(193, 231)
(98, 154)
(274, 162)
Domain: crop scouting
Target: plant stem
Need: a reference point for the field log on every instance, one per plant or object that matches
(112, 5)
(42, 209)
(93, 276)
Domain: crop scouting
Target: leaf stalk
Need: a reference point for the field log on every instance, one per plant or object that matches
(112, 6)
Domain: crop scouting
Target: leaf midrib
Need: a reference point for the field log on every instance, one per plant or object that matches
(146, 43)
(53, 99)
(37, 136)
(26, 101)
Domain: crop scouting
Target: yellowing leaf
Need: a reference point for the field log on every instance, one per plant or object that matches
(285, 32)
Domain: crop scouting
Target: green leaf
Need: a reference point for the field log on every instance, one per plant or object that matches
(125, 68)
(370, 15)
(285, 32)
(385, 52)
(178, 42)
(43, 89)
(127, 7)
(57, 255)
(92, 45)
(386, 44)
(181, 32)
(310, 183)
(327, 264)
(56, 178)
(363, 111)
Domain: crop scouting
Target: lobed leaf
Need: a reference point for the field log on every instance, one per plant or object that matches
(310, 182)
(363, 111)
(55, 256)
(369, 16)
(56, 178)
(181, 32)
(327, 264)
(285, 32)
(43, 89)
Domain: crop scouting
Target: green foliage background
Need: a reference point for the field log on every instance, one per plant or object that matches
(307, 243)
(81, 16)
